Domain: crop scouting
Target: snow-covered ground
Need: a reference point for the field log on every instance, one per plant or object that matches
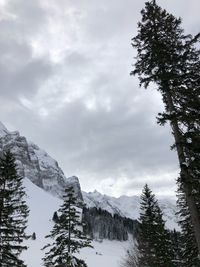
(42, 206)
(108, 253)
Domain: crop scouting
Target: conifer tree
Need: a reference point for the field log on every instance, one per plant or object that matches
(13, 213)
(67, 235)
(169, 58)
(153, 239)
(189, 248)
(176, 248)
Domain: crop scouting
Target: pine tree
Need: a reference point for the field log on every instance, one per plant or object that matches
(67, 235)
(13, 213)
(189, 248)
(153, 239)
(168, 58)
(176, 248)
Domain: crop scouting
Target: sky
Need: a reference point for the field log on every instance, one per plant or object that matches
(65, 84)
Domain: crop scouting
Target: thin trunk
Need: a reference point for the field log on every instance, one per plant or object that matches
(69, 230)
(185, 176)
(2, 205)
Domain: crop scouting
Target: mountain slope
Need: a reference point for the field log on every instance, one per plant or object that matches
(129, 206)
(42, 206)
(36, 165)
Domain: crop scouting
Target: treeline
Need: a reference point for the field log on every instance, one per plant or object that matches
(100, 224)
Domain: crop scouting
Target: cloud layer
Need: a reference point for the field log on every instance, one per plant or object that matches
(65, 84)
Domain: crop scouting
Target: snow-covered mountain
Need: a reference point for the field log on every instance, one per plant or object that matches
(42, 173)
(42, 170)
(36, 165)
(129, 207)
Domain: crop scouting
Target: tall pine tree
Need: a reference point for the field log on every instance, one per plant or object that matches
(167, 57)
(189, 248)
(67, 234)
(13, 213)
(153, 239)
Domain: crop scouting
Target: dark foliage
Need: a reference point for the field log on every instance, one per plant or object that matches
(170, 59)
(67, 234)
(13, 213)
(154, 244)
(101, 224)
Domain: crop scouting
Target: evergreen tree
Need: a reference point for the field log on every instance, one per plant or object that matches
(13, 213)
(167, 57)
(176, 248)
(189, 249)
(67, 235)
(153, 239)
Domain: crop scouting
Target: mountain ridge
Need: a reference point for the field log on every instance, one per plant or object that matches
(42, 170)
(35, 164)
(129, 206)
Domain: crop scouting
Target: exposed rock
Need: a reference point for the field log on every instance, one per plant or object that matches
(35, 164)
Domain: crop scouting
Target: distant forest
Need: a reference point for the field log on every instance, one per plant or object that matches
(100, 224)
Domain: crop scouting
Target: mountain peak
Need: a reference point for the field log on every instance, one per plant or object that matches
(36, 165)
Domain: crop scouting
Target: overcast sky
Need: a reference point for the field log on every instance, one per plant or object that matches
(65, 85)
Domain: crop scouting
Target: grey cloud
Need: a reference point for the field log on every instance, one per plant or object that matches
(107, 142)
(25, 79)
(20, 72)
(137, 182)
(28, 17)
(117, 135)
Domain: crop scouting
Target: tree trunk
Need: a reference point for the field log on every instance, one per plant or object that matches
(1, 208)
(69, 229)
(185, 176)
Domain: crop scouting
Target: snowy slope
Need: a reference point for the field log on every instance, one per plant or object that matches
(129, 206)
(35, 164)
(42, 206)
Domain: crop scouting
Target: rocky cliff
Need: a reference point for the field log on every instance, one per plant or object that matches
(36, 165)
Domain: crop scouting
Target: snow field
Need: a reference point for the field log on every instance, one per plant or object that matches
(42, 206)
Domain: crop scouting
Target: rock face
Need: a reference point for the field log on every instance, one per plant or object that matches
(36, 165)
